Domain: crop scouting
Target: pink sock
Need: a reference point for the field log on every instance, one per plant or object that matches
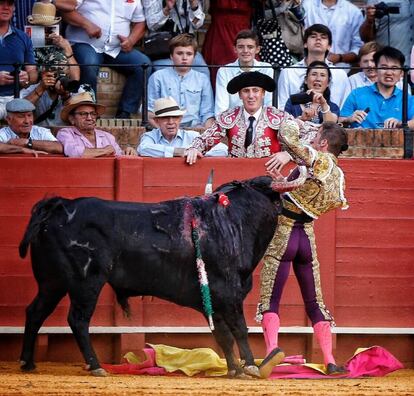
(323, 335)
(270, 326)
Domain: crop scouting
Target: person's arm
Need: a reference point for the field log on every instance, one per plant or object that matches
(6, 148)
(154, 92)
(137, 32)
(106, 151)
(367, 29)
(74, 18)
(283, 88)
(222, 102)
(51, 147)
(59, 41)
(207, 102)
(196, 14)
(65, 5)
(412, 65)
(155, 15)
(149, 148)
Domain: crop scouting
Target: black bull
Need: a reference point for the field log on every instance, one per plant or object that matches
(144, 249)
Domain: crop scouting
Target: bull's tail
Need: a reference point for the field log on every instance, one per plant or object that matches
(41, 212)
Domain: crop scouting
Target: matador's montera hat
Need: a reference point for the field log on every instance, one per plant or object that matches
(251, 79)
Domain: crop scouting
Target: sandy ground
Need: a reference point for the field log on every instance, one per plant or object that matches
(71, 379)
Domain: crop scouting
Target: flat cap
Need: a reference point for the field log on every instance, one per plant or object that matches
(19, 106)
(251, 79)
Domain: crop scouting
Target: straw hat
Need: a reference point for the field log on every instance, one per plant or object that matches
(83, 98)
(43, 14)
(167, 107)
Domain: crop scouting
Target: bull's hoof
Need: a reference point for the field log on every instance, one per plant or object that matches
(99, 372)
(253, 371)
(27, 366)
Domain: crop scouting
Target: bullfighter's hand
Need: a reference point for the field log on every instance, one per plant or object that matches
(277, 161)
(130, 151)
(93, 30)
(126, 44)
(392, 123)
(275, 175)
(191, 155)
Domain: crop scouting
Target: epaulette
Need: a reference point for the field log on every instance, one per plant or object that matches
(274, 116)
(227, 119)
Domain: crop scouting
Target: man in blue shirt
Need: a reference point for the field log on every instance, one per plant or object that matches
(15, 47)
(190, 88)
(168, 140)
(380, 104)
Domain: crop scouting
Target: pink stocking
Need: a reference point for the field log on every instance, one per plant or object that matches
(270, 325)
(323, 335)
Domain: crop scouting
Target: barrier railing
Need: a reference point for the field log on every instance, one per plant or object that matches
(408, 133)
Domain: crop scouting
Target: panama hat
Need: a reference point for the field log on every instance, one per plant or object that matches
(43, 14)
(167, 107)
(251, 79)
(83, 98)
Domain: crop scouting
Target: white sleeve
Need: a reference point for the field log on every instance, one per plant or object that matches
(222, 102)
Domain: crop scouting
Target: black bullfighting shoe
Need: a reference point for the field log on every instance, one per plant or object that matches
(333, 369)
(275, 357)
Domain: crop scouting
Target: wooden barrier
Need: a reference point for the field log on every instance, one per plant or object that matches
(365, 252)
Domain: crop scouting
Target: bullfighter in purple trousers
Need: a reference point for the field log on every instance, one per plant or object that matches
(294, 240)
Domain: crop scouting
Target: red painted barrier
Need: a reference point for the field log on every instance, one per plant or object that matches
(366, 252)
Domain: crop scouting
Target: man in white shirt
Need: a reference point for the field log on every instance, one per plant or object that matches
(344, 20)
(317, 43)
(21, 136)
(105, 32)
(246, 46)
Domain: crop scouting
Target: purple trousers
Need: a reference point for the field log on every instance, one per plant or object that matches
(296, 246)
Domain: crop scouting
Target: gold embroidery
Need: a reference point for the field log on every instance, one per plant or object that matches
(316, 273)
(271, 262)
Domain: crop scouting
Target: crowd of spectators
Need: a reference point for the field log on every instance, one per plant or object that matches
(323, 86)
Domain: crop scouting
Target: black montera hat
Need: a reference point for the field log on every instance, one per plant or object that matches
(251, 79)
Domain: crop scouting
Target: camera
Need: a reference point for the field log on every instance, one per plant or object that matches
(68, 84)
(382, 9)
(301, 98)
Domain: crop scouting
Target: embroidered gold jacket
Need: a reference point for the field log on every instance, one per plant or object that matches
(231, 124)
(324, 187)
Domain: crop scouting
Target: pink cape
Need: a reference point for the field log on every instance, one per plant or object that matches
(366, 362)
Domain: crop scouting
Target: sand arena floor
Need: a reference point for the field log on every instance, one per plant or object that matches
(71, 379)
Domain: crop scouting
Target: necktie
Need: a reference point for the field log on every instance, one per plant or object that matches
(249, 132)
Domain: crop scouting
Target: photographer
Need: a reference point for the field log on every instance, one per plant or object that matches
(57, 81)
(390, 23)
(313, 102)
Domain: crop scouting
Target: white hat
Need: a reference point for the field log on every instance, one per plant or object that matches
(167, 107)
(43, 14)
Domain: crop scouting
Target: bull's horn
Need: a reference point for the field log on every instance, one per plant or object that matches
(285, 185)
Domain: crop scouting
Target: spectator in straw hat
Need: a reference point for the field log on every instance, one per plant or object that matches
(82, 139)
(16, 47)
(168, 140)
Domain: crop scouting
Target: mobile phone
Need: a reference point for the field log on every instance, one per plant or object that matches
(367, 110)
(301, 98)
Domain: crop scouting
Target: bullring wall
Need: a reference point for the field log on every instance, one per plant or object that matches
(366, 255)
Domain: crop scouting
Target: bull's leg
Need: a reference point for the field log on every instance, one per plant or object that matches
(223, 336)
(84, 297)
(237, 325)
(36, 313)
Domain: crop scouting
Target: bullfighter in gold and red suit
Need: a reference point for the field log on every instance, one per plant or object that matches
(251, 129)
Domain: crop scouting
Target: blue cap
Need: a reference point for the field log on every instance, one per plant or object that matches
(19, 106)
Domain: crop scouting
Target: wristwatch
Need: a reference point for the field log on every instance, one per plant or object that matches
(29, 143)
